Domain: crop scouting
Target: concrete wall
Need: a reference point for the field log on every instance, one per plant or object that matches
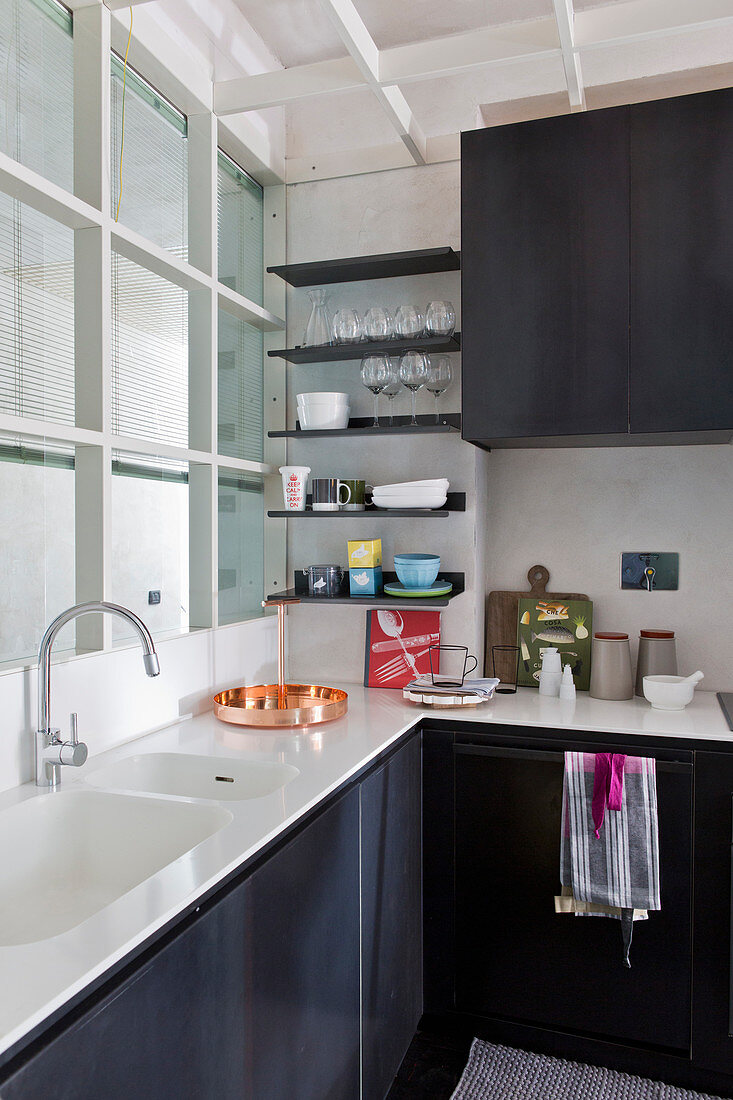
(385, 212)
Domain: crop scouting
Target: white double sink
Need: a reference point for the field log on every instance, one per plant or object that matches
(67, 855)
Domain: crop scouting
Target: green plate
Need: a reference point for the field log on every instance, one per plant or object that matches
(440, 588)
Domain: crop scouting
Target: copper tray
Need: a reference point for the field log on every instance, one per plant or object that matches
(268, 705)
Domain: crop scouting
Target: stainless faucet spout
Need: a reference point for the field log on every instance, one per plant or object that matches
(48, 759)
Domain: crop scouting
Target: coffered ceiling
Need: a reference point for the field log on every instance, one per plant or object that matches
(372, 84)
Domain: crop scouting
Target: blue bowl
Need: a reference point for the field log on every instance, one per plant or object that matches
(416, 570)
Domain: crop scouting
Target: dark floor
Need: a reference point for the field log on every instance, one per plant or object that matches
(431, 1068)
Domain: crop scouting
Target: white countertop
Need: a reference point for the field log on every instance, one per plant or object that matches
(38, 978)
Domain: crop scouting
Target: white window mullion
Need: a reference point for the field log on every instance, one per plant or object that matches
(274, 384)
(93, 318)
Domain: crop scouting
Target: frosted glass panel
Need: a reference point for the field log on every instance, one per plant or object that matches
(154, 181)
(36, 100)
(240, 389)
(241, 553)
(240, 230)
(37, 567)
(150, 542)
(149, 355)
(36, 314)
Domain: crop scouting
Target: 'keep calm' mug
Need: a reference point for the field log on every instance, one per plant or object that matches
(295, 483)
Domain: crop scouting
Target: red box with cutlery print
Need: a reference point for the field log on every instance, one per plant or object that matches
(397, 644)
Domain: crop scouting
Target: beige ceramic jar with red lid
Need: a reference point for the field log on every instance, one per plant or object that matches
(657, 656)
(610, 671)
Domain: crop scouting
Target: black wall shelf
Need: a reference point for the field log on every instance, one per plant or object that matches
(300, 592)
(337, 353)
(364, 426)
(456, 502)
(387, 265)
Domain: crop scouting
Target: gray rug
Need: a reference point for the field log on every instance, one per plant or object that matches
(503, 1073)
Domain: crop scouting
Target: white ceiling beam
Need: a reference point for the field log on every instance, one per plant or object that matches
(253, 93)
(643, 19)
(570, 60)
(118, 5)
(473, 49)
(360, 44)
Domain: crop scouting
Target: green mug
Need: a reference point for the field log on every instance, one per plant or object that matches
(356, 501)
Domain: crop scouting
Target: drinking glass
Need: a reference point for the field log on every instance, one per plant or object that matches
(393, 387)
(378, 323)
(414, 373)
(347, 327)
(375, 375)
(440, 376)
(440, 319)
(409, 322)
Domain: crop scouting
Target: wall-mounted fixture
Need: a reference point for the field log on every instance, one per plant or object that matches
(650, 572)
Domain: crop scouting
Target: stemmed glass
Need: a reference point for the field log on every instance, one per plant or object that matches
(440, 376)
(393, 387)
(440, 319)
(375, 374)
(414, 374)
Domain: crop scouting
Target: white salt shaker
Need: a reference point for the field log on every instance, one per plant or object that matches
(551, 673)
(567, 684)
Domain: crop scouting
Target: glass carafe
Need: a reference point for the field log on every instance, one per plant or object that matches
(318, 330)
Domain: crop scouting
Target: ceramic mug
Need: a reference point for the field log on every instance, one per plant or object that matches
(327, 494)
(295, 481)
(358, 491)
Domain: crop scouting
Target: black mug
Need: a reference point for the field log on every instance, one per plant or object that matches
(327, 494)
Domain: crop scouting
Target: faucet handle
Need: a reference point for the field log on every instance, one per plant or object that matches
(73, 729)
(73, 751)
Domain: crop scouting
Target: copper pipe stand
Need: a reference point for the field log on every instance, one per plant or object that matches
(280, 705)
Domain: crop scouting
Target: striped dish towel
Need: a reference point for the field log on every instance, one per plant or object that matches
(615, 873)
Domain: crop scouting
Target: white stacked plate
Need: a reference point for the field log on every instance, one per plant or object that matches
(432, 493)
(322, 411)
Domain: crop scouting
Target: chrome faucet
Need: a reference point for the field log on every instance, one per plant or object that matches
(51, 751)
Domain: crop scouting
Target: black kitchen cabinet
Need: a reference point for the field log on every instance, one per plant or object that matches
(681, 272)
(712, 991)
(544, 278)
(258, 997)
(174, 1027)
(515, 957)
(303, 1029)
(392, 948)
(596, 277)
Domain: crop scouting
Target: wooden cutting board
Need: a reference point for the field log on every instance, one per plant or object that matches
(502, 609)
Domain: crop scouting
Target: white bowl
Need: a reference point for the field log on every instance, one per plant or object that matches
(668, 692)
(410, 490)
(318, 419)
(323, 399)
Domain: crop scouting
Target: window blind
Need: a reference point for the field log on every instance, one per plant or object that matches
(36, 101)
(240, 207)
(241, 547)
(240, 412)
(36, 314)
(154, 199)
(149, 354)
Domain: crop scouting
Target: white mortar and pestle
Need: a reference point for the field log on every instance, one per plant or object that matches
(671, 692)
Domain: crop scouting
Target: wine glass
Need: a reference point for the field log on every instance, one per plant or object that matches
(440, 319)
(378, 323)
(440, 376)
(347, 327)
(409, 322)
(375, 375)
(393, 387)
(414, 373)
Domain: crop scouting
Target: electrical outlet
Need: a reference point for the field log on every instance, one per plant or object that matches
(650, 571)
(154, 596)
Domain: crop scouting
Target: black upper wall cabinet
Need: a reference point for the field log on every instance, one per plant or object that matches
(595, 275)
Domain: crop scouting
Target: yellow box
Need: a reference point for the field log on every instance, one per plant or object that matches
(365, 553)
